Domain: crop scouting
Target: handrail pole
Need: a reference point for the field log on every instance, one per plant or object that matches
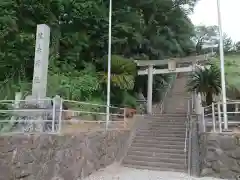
(203, 120)
(186, 131)
(189, 145)
(219, 117)
(60, 116)
(213, 117)
(124, 118)
(53, 115)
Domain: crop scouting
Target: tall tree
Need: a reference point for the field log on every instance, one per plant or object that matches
(237, 46)
(205, 35)
(145, 29)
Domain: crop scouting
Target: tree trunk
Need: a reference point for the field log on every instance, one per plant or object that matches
(209, 99)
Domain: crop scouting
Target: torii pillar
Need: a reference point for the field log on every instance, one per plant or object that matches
(150, 89)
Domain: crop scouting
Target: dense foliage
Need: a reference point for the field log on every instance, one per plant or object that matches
(143, 29)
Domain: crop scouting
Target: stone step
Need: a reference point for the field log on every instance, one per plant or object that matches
(176, 118)
(173, 98)
(157, 150)
(160, 145)
(182, 107)
(177, 108)
(154, 168)
(153, 154)
(167, 121)
(162, 135)
(162, 130)
(176, 105)
(147, 142)
(159, 132)
(160, 165)
(179, 121)
(167, 118)
(176, 111)
(178, 115)
(166, 125)
(161, 159)
(170, 116)
(179, 139)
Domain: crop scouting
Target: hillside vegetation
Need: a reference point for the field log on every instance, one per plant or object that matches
(142, 29)
(232, 72)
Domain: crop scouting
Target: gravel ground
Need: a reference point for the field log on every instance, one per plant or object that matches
(117, 172)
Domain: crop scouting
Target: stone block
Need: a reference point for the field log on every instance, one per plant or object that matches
(211, 156)
(221, 155)
(227, 143)
(6, 172)
(234, 153)
(207, 172)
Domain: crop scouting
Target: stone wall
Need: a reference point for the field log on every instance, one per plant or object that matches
(55, 157)
(220, 155)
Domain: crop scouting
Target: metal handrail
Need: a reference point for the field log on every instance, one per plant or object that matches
(16, 115)
(65, 100)
(215, 113)
(186, 135)
(86, 103)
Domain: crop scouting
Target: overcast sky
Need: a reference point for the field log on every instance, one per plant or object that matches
(206, 13)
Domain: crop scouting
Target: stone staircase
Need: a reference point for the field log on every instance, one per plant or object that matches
(159, 141)
(177, 99)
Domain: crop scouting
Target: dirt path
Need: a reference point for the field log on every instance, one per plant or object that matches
(117, 172)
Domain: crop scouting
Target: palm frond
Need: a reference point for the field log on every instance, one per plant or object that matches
(121, 65)
(122, 81)
(205, 81)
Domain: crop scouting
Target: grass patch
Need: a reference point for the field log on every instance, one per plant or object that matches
(232, 70)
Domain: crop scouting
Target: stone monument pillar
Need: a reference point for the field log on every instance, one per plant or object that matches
(39, 85)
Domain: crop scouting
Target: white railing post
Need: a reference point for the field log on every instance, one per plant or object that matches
(53, 115)
(203, 120)
(213, 117)
(192, 102)
(219, 117)
(60, 116)
(124, 117)
(236, 108)
(18, 97)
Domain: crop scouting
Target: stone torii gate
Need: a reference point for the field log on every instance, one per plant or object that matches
(175, 65)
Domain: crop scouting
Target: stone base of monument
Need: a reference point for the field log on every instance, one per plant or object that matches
(35, 115)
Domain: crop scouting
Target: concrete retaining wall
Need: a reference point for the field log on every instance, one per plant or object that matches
(52, 157)
(220, 155)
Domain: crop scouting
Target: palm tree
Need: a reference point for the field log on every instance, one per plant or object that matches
(206, 81)
(123, 72)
